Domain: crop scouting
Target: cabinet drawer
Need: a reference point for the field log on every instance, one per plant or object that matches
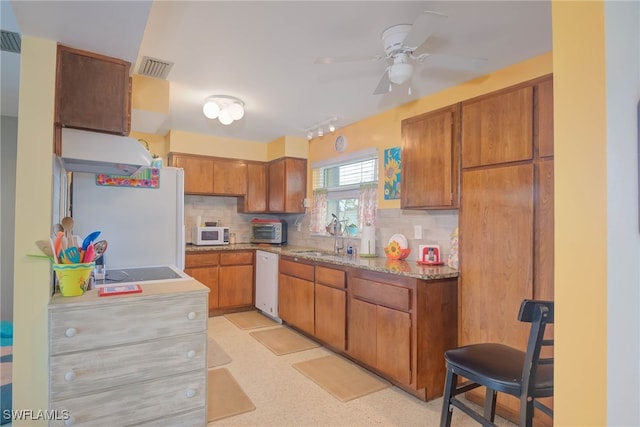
(296, 269)
(197, 418)
(84, 372)
(236, 258)
(131, 320)
(381, 293)
(137, 403)
(201, 260)
(330, 277)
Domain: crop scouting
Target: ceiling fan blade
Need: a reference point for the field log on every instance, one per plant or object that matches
(384, 84)
(425, 25)
(336, 59)
(463, 63)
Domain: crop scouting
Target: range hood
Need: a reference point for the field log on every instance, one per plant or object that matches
(102, 153)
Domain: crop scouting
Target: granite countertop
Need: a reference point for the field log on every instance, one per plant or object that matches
(380, 264)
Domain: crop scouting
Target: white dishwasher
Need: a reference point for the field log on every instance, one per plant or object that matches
(267, 284)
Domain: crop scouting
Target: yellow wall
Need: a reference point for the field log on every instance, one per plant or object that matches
(276, 148)
(33, 222)
(149, 94)
(158, 145)
(206, 145)
(383, 130)
(580, 213)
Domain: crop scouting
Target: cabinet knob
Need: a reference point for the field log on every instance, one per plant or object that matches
(70, 376)
(190, 393)
(70, 421)
(70, 332)
(191, 315)
(191, 354)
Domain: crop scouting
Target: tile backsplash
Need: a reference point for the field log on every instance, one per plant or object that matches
(437, 225)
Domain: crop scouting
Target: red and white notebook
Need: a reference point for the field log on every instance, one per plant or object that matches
(119, 290)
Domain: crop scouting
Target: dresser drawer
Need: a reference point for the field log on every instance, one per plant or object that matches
(196, 418)
(90, 371)
(125, 321)
(136, 403)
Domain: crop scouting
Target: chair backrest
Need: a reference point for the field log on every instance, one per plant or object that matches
(539, 314)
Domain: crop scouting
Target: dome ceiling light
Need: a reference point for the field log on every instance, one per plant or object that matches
(225, 108)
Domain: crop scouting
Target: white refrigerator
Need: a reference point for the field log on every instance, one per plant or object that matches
(143, 226)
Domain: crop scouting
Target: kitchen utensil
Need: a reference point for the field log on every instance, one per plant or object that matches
(90, 238)
(67, 224)
(100, 248)
(72, 255)
(57, 244)
(89, 253)
(45, 247)
(54, 255)
(56, 228)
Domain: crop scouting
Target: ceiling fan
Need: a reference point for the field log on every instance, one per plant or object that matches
(400, 42)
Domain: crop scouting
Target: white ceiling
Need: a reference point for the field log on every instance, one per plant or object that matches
(263, 52)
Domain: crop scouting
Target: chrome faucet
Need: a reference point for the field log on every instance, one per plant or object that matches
(337, 232)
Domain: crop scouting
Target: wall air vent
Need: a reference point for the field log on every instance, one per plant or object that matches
(152, 67)
(10, 41)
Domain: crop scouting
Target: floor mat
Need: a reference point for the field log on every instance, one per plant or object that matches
(283, 340)
(250, 320)
(216, 356)
(225, 396)
(343, 379)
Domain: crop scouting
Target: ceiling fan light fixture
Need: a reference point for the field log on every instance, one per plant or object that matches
(225, 108)
(401, 72)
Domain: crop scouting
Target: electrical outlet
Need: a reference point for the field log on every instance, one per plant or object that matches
(417, 232)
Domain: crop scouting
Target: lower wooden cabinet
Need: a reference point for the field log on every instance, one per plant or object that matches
(379, 335)
(228, 275)
(397, 326)
(331, 306)
(296, 294)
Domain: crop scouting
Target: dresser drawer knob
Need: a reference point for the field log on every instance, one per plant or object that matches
(70, 332)
(190, 393)
(70, 421)
(70, 376)
(191, 315)
(191, 354)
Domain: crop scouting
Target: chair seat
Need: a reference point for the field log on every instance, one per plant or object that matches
(498, 367)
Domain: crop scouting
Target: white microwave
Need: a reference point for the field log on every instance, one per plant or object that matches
(206, 235)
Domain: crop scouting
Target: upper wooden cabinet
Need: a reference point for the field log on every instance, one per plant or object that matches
(229, 177)
(211, 175)
(198, 172)
(287, 185)
(430, 165)
(255, 200)
(498, 128)
(93, 92)
(545, 118)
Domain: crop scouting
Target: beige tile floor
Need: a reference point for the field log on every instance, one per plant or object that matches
(284, 397)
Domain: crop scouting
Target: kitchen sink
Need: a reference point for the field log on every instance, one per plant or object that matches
(312, 253)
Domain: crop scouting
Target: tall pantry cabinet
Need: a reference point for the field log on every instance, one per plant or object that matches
(506, 213)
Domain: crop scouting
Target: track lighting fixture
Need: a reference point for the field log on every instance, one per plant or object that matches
(319, 129)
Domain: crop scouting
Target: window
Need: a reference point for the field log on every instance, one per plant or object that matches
(338, 190)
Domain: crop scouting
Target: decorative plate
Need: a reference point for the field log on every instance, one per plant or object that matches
(401, 239)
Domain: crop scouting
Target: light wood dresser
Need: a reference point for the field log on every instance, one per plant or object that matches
(136, 359)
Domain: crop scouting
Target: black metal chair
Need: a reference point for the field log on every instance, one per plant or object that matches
(500, 368)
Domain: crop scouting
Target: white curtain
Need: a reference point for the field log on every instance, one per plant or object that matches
(367, 204)
(318, 212)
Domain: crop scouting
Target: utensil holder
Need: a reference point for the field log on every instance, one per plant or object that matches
(73, 279)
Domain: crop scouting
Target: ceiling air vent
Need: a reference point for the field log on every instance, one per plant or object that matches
(10, 41)
(152, 67)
